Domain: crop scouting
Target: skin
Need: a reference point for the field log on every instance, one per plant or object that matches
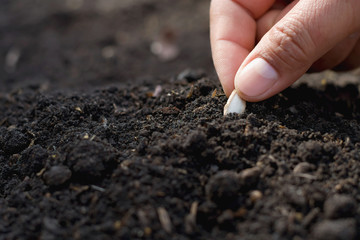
(293, 37)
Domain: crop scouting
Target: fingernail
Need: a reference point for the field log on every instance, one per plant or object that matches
(256, 78)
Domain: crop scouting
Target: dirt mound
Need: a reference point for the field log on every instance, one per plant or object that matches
(124, 163)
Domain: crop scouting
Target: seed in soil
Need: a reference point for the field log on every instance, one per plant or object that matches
(234, 104)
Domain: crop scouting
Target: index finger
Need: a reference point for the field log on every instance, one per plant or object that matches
(232, 35)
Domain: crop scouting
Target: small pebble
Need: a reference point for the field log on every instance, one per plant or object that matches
(57, 175)
(343, 229)
(340, 206)
(108, 52)
(255, 196)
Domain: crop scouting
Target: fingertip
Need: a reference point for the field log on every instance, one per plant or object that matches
(228, 56)
(253, 81)
(232, 35)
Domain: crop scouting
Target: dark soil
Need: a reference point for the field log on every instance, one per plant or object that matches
(154, 158)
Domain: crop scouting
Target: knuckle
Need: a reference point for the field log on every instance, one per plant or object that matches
(291, 44)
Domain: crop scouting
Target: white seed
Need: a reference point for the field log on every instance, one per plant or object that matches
(234, 104)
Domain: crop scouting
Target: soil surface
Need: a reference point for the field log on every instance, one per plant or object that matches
(116, 143)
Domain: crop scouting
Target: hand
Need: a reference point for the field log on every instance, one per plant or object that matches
(260, 47)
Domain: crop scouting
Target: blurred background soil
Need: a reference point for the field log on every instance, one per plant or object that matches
(79, 43)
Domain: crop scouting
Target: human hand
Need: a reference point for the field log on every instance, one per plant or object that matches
(292, 38)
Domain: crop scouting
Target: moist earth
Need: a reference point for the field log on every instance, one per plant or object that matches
(158, 160)
(123, 163)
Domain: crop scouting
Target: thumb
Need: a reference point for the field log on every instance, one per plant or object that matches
(307, 32)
